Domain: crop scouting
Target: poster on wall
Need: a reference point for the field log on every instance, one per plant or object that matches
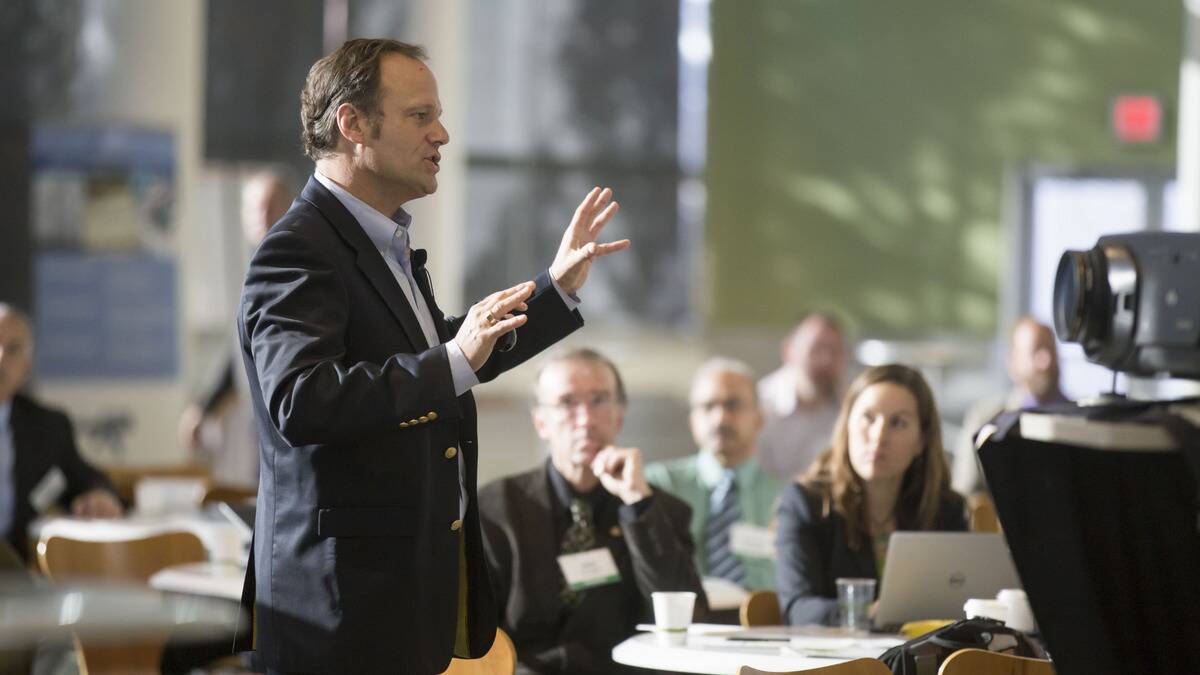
(104, 272)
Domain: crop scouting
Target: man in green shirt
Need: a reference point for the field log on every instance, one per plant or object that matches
(733, 500)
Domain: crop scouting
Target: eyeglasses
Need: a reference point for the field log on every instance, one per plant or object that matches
(596, 403)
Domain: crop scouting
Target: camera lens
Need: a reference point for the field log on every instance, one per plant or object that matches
(1070, 293)
(1083, 298)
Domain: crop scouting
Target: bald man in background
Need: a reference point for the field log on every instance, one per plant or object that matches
(39, 463)
(1033, 369)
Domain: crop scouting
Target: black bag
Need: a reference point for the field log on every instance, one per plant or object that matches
(923, 655)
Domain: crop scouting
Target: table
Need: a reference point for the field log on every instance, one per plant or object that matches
(115, 613)
(223, 540)
(707, 649)
(213, 579)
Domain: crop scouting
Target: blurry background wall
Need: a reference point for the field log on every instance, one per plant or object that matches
(858, 149)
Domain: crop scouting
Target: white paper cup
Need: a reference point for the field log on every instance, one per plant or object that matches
(986, 608)
(673, 611)
(1020, 614)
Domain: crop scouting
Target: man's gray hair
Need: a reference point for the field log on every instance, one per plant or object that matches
(585, 355)
(724, 364)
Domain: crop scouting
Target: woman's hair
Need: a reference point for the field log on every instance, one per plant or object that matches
(925, 482)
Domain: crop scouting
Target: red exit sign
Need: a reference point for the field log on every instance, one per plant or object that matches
(1137, 118)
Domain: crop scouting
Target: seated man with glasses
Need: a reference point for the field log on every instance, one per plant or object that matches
(576, 546)
(733, 500)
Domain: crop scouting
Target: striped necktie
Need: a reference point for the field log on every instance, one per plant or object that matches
(723, 513)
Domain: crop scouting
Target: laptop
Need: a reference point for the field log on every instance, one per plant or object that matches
(930, 575)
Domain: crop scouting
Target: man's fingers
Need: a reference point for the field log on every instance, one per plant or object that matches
(586, 205)
(505, 325)
(611, 247)
(601, 220)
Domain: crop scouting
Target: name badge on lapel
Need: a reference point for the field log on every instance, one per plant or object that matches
(589, 568)
(752, 541)
(48, 490)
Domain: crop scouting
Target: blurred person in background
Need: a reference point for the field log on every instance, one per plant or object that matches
(40, 465)
(1033, 369)
(732, 499)
(590, 496)
(800, 399)
(218, 427)
(885, 471)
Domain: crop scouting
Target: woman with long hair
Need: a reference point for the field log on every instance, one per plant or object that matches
(885, 471)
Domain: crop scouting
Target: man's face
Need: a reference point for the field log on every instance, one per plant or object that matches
(577, 413)
(400, 146)
(818, 352)
(1033, 359)
(16, 355)
(724, 417)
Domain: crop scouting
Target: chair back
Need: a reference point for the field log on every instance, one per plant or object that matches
(982, 513)
(135, 560)
(230, 494)
(982, 662)
(761, 608)
(501, 659)
(131, 560)
(855, 667)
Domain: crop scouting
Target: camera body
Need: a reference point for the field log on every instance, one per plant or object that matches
(1133, 303)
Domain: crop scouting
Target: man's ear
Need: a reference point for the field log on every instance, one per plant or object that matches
(352, 124)
(539, 422)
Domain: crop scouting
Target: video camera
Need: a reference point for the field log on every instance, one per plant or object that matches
(1133, 303)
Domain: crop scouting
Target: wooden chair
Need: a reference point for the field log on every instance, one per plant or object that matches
(501, 659)
(982, 513)
(981, 662)
(760, 609)
(132, 560)
(229, 494)
(855, 667)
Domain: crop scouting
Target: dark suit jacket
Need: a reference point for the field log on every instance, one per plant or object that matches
(355, 560)
(812, 551)
(43, 439)
(653, 553)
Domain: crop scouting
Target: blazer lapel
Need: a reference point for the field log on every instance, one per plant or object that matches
(540, 541)
(370, 262)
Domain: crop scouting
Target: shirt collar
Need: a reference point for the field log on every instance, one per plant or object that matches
(712, 473)
(5, 413)
(380, 229)
(564, 492)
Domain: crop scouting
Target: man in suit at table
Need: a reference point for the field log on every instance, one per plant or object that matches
(590, 499)
(367, 554)
(39, 463)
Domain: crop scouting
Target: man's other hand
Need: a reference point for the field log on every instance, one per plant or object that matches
(489, 319)
(579, 247)
(96, 503)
